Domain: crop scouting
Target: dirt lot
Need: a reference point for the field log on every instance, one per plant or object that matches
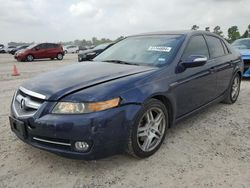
(210, 149)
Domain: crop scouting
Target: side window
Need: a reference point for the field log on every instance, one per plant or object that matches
(215, 46)
(40, 46)
(196, 46)
(225, 47)
(56, 45)
(43, 46)
(49, 45)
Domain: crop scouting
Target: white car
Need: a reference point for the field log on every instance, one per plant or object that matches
(9, 48)
(71, 49)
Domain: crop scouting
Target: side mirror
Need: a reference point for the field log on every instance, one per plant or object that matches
(37, 48)
(194, 61)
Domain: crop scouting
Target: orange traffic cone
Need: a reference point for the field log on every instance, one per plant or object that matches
(15, 71)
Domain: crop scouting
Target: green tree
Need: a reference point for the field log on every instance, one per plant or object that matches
(95, 41)
(233, 33)
(119, 38)
(218, 31)
(195, 27)
(207, 29)
(248, 31)
(246, 34)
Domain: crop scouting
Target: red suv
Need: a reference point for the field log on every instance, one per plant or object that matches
(40, 51)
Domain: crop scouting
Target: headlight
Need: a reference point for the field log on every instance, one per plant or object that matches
(80, 108)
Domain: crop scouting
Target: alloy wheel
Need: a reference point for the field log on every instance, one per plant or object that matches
(30, 58)
(151, 129)
(59, 56)
(235, 88)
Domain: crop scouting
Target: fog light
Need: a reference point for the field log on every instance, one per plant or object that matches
(81, 146)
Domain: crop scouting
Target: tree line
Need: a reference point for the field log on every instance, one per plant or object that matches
(93, 42)
(233, 32)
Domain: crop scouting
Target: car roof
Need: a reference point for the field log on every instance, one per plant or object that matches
(178, 32)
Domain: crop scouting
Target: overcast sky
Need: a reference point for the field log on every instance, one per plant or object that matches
(65, 20)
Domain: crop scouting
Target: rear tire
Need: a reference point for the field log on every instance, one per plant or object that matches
(149, 130)
(233, 90)
(59, 56)
(29, 58)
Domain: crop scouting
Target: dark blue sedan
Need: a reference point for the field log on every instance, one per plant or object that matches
(127, 97)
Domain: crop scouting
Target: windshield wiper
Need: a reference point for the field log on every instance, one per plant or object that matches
(120, 62)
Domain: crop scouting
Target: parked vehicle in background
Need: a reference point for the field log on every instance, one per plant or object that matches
(81, 48)
(9, 48)
(243, 46)
(88, 55)
(71, 49)
(13, 51)
(128, 96)
(40, 51)
(2, 50)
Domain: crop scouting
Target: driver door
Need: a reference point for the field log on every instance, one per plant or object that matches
(196, 86)
(40, 51)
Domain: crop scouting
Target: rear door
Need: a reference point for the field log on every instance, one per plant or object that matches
(51, 50)
(196, 86)
(222, 60)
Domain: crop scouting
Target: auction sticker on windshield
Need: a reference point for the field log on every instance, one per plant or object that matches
(159, 48)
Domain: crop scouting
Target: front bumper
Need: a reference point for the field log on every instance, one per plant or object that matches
(19, 57)
(246, 73)
(81, 57)
(106, 132)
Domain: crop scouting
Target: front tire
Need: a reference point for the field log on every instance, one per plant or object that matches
(233, 90)
(149, 130)
(59, 56)
(29, 58)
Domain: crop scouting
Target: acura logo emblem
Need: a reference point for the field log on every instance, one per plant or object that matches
(23, 105)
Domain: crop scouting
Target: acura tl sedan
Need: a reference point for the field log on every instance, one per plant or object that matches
(125, 100)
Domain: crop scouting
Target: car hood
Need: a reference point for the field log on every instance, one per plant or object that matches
(57, 84)
(244, 51)
(21, 50)
(86, 51)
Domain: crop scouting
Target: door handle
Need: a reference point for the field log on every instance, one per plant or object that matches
(213, 69)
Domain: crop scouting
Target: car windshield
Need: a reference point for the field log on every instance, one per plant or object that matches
(242, 44)
(152, 50)
(101, 46)
(31, 46)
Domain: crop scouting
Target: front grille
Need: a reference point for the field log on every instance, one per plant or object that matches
(26, 102)
(246, 62)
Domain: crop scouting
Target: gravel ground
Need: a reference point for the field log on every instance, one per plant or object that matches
(210, 149)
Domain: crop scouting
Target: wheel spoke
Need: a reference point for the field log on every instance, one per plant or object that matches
(158, 120)
(156, 133)
(142, 131)
(147, 143)
(149, 116)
